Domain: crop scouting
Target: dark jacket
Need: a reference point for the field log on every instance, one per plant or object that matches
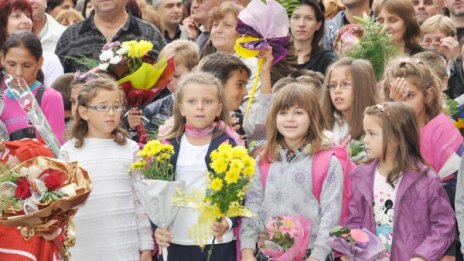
(319, 61)
(456, 79)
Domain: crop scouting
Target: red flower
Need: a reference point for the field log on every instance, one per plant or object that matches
(23, 190)
(54, 179)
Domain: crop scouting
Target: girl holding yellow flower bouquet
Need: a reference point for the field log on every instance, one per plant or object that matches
(200, 127)
(295, 135)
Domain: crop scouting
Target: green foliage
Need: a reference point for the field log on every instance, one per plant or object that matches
(88, 63)
(376, 45)
(452, 106)
(289, 5)
(51, 196)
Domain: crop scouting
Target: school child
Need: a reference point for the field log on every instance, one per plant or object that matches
(200, 126)
(186, 57)
(441, 143)
(21, 57)
(396, 195)
(112, 224)
(295, 134)
(350, 86)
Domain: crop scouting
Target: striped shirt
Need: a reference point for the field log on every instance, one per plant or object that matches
(84, 39)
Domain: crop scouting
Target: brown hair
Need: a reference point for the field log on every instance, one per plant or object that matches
(202, 79)
(224, 8)
(90, 90)
(418, 74)
(434, 61)
(364, 91)
(405, 10)
(295, 94)
(398, 123)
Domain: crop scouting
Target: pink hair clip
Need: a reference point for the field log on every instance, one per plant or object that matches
(383, 108)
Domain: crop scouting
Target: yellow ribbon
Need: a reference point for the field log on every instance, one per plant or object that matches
(202, 231)
(247, 53)
(459, 123)
(146, 76)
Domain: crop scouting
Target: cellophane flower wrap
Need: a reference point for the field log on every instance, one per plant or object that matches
(286, 238)
(156, 186)
(232, 169)
(262, 24)
(40, 195)
(133, 65)
(26, 100)
(357, 244)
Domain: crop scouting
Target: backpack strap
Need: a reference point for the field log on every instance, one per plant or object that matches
(320, 166)
(39, 94)
(264, 166)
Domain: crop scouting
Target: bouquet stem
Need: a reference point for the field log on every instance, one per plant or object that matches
(142, 134)
(210, 252)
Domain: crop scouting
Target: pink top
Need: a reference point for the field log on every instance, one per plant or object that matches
(52, 106)
(439, 139)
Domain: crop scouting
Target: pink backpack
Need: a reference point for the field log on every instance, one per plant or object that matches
(320, 167)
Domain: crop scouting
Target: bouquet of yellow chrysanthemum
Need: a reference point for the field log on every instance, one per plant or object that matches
(156, 191)
(155, 162)
(232, 170)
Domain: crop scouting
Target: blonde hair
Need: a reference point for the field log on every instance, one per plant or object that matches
(440, 22)
(399, 123)
(64, 16)
(295, 94)
(185, 52)
(417, 73)
(90, 90)
(364, 92)
(201, 79)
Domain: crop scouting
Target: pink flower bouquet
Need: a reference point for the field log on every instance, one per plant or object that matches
(357, 244)
(287, 238)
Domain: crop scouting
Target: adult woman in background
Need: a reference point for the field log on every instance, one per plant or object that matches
(399, 19)
(16, 16)
(307, 28)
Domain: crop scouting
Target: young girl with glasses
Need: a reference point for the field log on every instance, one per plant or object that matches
(112, 224)
(350, 86)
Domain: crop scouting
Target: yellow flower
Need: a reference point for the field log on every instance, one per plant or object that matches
(459, 123)
(216, 184)
(219, 166)
(248, 161)
(138, 165)
(249, 171)
(214, 155)
(239, 152)
(236, 164)
(232, 176)
(224, 146)
(137, 49)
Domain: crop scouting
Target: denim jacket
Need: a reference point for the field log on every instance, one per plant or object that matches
(424, 223)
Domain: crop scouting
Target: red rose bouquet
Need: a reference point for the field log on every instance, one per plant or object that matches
(40, 195)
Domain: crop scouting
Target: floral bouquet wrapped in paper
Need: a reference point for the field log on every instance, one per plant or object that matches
(26, 100)
(286, 238)
(158, 187)
(40, 195)
(357, 244)
(134, 67)
(232, 169)
(262, 24)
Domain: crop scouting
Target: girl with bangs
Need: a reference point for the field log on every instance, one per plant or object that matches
(396, 196)
(295, 133)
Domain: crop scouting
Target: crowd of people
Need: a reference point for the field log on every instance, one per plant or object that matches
(402, 174)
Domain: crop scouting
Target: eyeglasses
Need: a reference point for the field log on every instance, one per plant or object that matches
(344, 85)
(106, 108)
